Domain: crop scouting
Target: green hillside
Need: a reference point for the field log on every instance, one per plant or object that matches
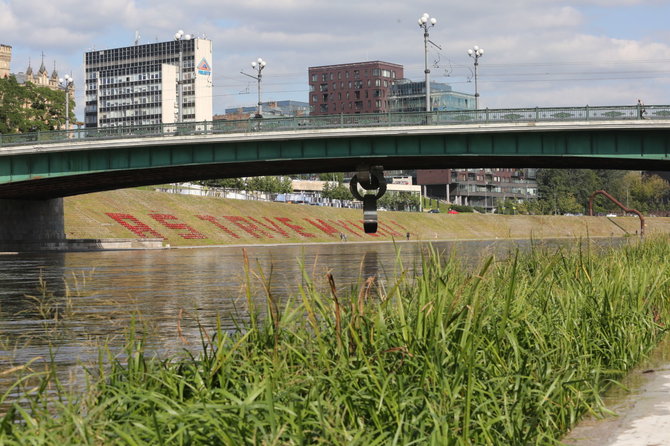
(183, 220)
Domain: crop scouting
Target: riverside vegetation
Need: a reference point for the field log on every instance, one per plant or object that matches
(512, 352)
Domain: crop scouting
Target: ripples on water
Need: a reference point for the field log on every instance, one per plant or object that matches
(107, 289)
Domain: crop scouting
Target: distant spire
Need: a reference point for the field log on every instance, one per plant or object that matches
(29, 71)
(54, 74)
(42, 69)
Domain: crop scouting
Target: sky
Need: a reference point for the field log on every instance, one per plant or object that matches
(536, 52)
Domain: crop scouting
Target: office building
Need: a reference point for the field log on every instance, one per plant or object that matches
(409, 96)
(361, 87)
(271, 109)
(139, 85)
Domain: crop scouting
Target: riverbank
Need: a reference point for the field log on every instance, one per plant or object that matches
(181, 220)
(513, 353)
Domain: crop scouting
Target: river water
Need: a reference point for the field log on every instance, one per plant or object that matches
(61, 306)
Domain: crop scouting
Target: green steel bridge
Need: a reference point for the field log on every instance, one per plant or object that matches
(45, 165)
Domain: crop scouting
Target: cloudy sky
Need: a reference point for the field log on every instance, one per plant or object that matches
(537, 52)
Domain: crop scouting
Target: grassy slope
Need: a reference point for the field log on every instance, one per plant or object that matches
(85, 217)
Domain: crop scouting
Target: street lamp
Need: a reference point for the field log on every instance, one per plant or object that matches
(258, 65)
(179, 36)
(476, 52)
(66, 84)
(425, 22)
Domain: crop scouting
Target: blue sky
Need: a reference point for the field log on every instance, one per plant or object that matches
(538, 52)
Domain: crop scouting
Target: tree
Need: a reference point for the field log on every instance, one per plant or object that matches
(277, 185)
(30, 108)
(332, 176)
(568, 190)
(645, 192)
(399, 201)
(336, 191)
(226, 183)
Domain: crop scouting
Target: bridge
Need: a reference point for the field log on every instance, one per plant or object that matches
(45, 166)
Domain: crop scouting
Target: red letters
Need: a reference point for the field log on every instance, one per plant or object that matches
(216, 223)
(323, 227)
(251, 228)
(274, 227)
(346, 227)
(163, 219)
(296, 228)
(137, 227)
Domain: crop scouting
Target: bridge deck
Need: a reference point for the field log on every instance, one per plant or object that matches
(94, 161)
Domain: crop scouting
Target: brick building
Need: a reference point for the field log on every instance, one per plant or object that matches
(362, 87)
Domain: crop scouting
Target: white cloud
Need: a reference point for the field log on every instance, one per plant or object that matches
(538, 52)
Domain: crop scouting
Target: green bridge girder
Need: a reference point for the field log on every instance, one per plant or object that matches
(76, 166)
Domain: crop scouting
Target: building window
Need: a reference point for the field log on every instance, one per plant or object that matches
(315, 77)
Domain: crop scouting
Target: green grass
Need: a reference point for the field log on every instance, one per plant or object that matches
(512, 353)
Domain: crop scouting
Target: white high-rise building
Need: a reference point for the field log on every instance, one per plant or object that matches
(139, 85)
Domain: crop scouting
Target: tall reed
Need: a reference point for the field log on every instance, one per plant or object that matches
(513, 352)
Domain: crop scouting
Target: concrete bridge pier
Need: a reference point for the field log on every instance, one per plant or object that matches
(31, 225)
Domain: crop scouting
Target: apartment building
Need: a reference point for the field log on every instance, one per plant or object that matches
(362, 87)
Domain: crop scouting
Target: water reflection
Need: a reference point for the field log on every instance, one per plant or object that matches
(174, 292)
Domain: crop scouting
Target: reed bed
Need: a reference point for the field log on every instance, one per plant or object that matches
(514, 352)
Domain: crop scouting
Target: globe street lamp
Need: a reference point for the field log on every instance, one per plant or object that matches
(179, 36)
(66, 84)
(425, 22)
(476, 52)
(258, 65)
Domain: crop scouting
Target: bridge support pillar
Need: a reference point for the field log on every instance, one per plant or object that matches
(29, 225)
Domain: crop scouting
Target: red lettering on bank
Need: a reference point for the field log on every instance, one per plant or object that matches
(299, 229)
(163, 219)
(137, 227)
(213, 220)
(323, 226)
(251, 228)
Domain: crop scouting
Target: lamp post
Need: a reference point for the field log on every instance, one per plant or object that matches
(426, 22)
(66, 84)
(476, 52)
(179, 36)
(258, 65)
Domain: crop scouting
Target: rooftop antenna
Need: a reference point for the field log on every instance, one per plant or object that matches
(137, 37)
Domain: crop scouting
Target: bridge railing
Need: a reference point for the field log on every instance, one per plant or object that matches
(485, 116)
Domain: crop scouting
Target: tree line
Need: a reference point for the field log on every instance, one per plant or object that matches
(563, 191)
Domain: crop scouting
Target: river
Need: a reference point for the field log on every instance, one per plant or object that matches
(82, 299)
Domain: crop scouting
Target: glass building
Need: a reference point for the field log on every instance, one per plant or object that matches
(409, 96)
(138, 85)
